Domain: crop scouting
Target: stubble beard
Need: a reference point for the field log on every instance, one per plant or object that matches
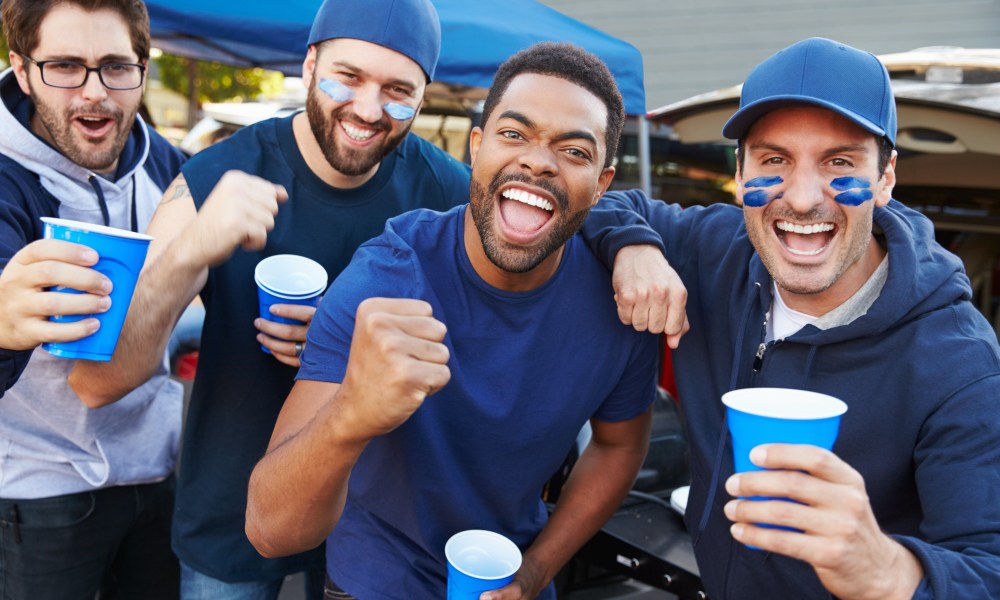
(857, 243)
(348, 162)
(85, 153)
(514, 259)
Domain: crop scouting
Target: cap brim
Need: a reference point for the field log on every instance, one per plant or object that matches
(739, 124)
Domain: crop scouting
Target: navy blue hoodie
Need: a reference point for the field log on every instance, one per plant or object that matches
(920, 373)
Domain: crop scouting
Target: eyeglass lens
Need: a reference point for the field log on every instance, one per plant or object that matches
(71, 75)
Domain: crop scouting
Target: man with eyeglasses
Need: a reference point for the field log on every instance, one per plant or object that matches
(337, 171)
(86, 496)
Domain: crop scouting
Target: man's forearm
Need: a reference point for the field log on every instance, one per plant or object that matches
(164, 288)
(298, 490)
(599, 482)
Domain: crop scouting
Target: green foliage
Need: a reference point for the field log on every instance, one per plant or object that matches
(4, 51)
(215, 82)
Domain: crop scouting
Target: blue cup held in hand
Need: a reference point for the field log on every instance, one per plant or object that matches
(122, 254)
(777, 415)
(479, 561)
(288, 279)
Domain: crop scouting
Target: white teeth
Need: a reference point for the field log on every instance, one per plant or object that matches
(804, 253)
(527, 198)
(356, 133)
(91, 119)
(804, 229)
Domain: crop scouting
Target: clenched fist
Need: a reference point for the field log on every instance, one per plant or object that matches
(397, 359)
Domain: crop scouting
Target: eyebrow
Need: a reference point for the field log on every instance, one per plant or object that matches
(846, 148)
(107, 58)
(355, 69)
(576, 134)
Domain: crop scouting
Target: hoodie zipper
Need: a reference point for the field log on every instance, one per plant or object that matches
(758, 359)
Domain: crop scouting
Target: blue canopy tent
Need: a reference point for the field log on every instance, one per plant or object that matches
(477, 35)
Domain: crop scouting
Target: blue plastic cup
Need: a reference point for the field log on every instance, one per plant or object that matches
(479, 561)
(778, 415)
(121, 256)
(288, 279)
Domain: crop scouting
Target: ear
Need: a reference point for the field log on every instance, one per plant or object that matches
(603, 183)
(20, 71)
(888, 182)
(738, 181)
(475, 139)
(309, 66)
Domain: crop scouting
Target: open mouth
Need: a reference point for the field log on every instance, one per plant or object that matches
(95, 126)
(524, 213)
(805, 240)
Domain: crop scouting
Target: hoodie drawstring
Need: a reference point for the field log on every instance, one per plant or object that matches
(92, 179)
(105, 214)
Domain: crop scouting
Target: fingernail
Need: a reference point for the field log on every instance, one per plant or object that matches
(758, 456)
(106, 286)
(256, 323)
(733, 485)
(730, 510)
(89, 256)
(736, 530)
(105, 303)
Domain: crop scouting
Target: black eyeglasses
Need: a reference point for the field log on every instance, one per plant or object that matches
(68, 74)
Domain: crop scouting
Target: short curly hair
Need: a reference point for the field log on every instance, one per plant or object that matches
(21, 19)
(574, 64)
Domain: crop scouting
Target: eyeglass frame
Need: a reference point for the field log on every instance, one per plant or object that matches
(88, 70)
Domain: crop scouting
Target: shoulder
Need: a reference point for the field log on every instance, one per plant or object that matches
(21, 190)
(164, 160)
(418, 153)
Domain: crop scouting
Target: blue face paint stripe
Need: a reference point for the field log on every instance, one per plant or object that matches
(400, 112)
(842, 184)
(758, 198)
(338, 92)
(854, 198)
(763, 182)
(854, 190)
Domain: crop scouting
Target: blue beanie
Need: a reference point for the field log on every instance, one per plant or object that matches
(822, 73)
(410, 27)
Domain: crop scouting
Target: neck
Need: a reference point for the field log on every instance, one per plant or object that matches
(316, 160)
(499, 278)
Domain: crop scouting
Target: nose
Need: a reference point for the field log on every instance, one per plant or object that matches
(367, 104)
(539, 160)
(805, 189)
(93, 89)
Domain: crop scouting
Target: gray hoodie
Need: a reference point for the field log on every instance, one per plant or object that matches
(50, 443)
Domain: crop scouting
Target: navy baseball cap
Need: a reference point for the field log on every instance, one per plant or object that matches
(824, 73)
(410, 27)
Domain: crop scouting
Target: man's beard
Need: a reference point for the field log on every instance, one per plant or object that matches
(350, 162)
(511, 258)
(82, 152)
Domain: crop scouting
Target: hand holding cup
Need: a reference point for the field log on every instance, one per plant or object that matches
(28, 303)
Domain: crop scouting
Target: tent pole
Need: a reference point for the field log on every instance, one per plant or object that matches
(645, 180)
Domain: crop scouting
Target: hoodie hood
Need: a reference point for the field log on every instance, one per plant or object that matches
(77, 189)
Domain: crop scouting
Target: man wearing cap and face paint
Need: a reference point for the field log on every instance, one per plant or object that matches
(823, 282)
(337, 172)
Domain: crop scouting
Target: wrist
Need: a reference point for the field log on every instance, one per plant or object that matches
(902, 576)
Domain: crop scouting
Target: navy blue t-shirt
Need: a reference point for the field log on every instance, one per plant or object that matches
(239, 390)
(528, 370)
